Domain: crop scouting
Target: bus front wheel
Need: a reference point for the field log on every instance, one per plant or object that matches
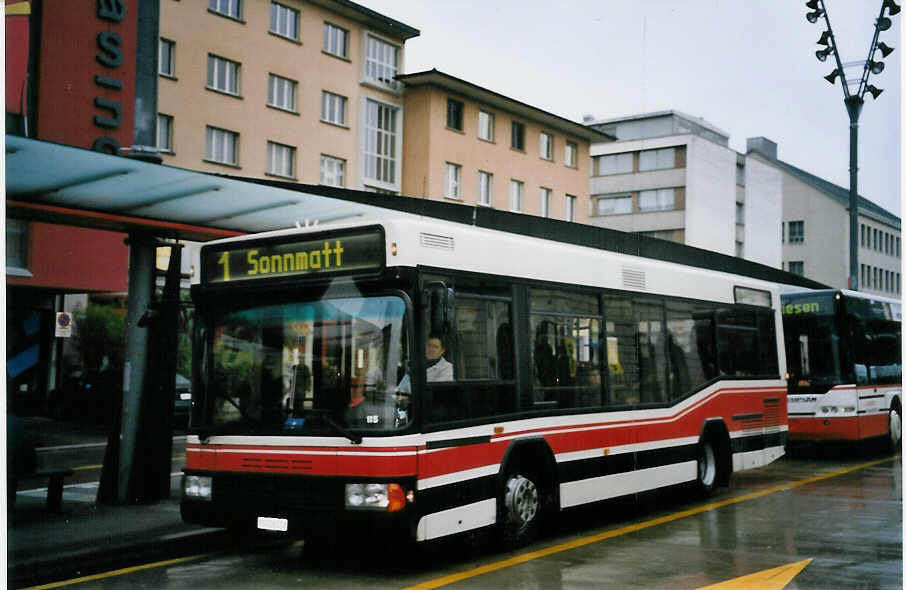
(521, 510)
(895, 428)
(707, 467)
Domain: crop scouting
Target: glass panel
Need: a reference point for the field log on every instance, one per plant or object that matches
(297, 367)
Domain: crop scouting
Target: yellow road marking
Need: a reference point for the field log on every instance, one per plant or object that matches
(517, 559)
(120, 572)
(775, 578)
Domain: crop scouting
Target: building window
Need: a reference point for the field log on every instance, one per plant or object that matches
(230, 8)
(740, 175)
(333, 108)
(485, 126)
(516, 188)
(662, 199)
(16, 244)
(333, 171)
(797, 267)
(381, 62)
(797, 232)
(281, 160)
(221, 146)
(281, 93)
(875, 233)
(898, 282)
(614, 164)
(571, 154)
(898, 247)
(740, 250)
(614, 205)
(485, 185)
(165, 133)
(517, 136)
(570, 214)
(886, 243)
(166, 65)
(453, 181)
(782, 233)
(336, 41)
(862, 235)
(284, 21)
(657, 159)
(223, 75)
(544, 201)
(454, 114)
(740, 214)
(381, 135)
(546, 146)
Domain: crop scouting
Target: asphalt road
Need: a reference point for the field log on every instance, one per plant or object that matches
(802, 522)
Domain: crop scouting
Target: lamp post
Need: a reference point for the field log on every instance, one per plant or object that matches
(854, 103)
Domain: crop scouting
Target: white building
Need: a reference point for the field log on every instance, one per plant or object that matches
(673, 176)
(815, 229)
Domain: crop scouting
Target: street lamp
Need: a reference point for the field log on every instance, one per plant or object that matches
(853, 102)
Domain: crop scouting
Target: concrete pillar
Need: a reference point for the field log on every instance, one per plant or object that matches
(141, 284)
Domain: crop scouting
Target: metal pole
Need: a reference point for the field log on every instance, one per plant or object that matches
(854, 108)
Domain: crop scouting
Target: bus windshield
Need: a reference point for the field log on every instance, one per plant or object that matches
(323, 367)
(812, 348)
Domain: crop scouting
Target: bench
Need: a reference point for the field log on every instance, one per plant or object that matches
(54, 502)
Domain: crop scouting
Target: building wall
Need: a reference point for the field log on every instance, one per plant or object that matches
(198, 32)
(880, 262)
(711, 197)
(763, 198)
(824, 250)
(431, 145)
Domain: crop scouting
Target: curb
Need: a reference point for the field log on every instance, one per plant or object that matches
(39, 569)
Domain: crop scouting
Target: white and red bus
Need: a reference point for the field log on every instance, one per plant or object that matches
(436, 377)
(845, 365)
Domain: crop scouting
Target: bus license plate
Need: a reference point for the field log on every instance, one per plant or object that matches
(267, 523)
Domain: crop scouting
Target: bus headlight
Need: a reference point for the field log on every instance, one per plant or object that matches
(838, 409)
(388, 497)
(197, 486)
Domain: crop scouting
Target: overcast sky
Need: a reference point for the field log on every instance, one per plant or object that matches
(746, 66)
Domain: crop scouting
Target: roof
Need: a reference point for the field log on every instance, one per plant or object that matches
(866, 207)
(447, 82)
(378, 21)
(129, 194)
(658, 114)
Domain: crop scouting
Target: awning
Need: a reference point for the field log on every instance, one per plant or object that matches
(63, 184)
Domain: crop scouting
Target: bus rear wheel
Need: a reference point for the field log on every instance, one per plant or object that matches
(895, 428)
(521, 510)
(707, 467)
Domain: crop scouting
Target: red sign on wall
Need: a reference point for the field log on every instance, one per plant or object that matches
(86, 75)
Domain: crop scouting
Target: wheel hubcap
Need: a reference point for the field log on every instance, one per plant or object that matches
(896, 427)
(521, 500)
(707, 466)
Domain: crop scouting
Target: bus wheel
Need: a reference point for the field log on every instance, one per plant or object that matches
(895, 428)
(521, 510)
(707, 467)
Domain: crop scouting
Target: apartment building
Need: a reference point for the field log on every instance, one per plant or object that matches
(294, 90)
(815, 229)
(468, 144)
(672, 176)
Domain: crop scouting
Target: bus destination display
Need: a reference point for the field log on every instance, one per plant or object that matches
(313, 257)
(820, 305)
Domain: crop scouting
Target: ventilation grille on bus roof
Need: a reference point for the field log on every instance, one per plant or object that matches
(435, 241)
(633, 277)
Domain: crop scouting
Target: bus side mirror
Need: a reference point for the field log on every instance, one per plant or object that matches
(443, 307)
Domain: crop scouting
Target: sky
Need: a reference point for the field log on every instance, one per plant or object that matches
(748, 67)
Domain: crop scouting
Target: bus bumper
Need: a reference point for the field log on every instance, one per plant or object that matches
(850, 428)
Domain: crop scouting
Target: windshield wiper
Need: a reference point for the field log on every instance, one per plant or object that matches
(353, 437)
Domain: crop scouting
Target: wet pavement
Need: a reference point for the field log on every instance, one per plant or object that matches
(845, 515)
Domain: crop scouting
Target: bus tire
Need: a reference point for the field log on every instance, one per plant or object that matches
(895, 427)
(520, 510)
(707, 468)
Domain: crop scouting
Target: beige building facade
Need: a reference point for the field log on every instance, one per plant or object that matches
(293, 90)
(467, 144)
